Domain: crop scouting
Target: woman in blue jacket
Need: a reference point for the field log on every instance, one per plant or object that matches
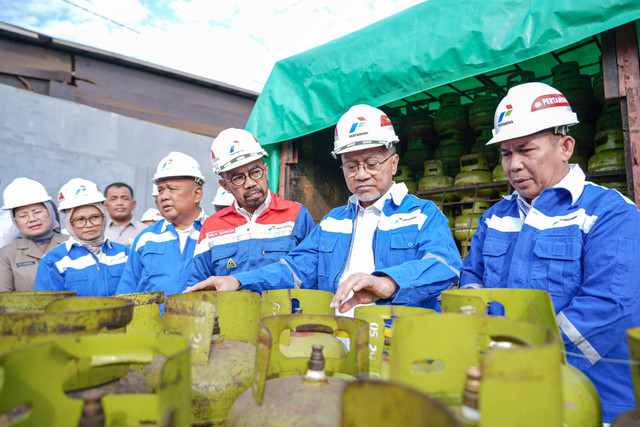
(88, 263)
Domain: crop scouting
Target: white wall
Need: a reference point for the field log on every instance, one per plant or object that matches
(53, 140)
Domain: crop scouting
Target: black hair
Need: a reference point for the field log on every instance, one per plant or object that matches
(118, 185)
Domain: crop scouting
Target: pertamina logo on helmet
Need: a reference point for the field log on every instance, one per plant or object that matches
(549, 101)
(361, 122)
(80, 189)
(233, 147)
(506, 113)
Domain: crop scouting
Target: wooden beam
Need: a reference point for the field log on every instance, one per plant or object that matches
(629, 92)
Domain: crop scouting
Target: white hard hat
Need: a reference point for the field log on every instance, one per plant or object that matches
(23, 192)
(151, 214)
(78, 192)
(176, 165)
(529, 108)
(223, 198)
(363, 127)
(154, 190)
(234, 148)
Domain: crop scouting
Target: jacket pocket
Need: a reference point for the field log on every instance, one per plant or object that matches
(402, 247)
(281, 245)
(75, 280)
(326, 247)
(626, 275)
(556, 267)
(222, 258)
(493, 255)
(153, 260)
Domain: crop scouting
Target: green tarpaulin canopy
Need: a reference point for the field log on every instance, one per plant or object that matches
(426, 46)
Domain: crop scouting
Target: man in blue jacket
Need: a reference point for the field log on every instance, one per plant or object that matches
(259, 227)
(558, 232)
(384, 246)
(161, 254)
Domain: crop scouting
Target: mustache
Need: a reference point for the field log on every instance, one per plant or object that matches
(252, 190)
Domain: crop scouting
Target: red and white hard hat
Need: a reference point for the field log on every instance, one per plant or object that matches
(78, 192)
(363, 127)
(23, 192)
(178, 165)
(234, 148)
(529, 108)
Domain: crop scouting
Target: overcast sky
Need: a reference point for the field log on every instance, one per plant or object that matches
(231, 41)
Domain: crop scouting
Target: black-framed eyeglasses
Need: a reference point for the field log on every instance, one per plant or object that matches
(238, 179)
(82, 221)
(372, 166)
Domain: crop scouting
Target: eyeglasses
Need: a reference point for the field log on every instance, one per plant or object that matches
(238, 179)
(82, 221)
(37, 213)
(371, 166)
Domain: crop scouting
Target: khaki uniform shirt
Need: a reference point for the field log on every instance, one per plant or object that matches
(19, 263)
(125, 234)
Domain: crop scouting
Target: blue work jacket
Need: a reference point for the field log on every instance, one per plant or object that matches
(581, 243)
(72, 267)
(156, 263)
(412, 244)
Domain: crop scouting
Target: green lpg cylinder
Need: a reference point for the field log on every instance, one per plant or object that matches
(65, 316)
(607, 161)
(583, 134)
(380, 318)
(417, 152)
(222, 329)
(609, 134)
(312, 396)
(631, 418)
(417, 130)
(618, 184)
(519, 364)
(146, 311)
(449, 155)
(451, 115)
(36, 378)
(433, 178)
(498, 175)
(16, 302)
(390, 404)
(580, 397)
(405, 175)
(298, 343)
(520, 77)
(576, 88)
(485, 102)
(474, 169)
(480, 146)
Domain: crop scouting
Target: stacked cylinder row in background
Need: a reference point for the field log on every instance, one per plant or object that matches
(447, 147)
(238, 358)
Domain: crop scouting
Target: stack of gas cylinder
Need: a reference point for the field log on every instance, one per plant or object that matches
(284, 359)
(450, 149)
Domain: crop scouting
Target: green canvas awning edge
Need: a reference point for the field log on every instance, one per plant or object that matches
(420, 48)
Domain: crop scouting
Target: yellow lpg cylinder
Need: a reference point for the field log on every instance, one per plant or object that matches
(580, 397)
(389, 404)
(380, 318)
(433, 178)
(631, 417)
(465, 227)
(405, 175)
(519, 364)
(298, 343)
(474, 169)
(12, 302)
(311, 393)
(222, 329)
(60, 317)
(36, 379)
(146, 311)
(498, 175)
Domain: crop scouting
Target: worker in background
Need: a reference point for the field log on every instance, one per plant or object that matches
(258, 227)
(161, 255)
(33, 213)
(151, 216)
(558, 232)
(223, 199)
(87, 263)
(384, 246)
(122, 227)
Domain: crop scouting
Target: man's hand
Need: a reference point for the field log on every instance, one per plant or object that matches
(215, 283)
(366, 289)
